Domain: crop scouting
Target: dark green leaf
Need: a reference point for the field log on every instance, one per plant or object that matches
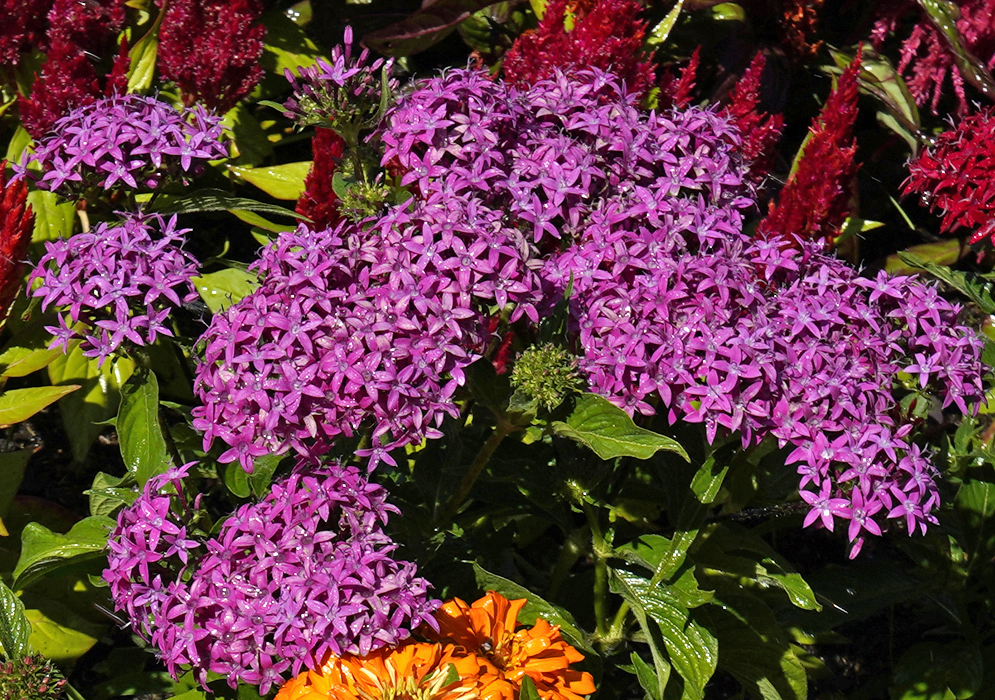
(143, 446)
(609, 431)
(107, 493)
(535, 607)
(236, 480)
(692, 649)
(263, 469)
(935, 671)
(14, 626)
(43, 550)
(528, 689)
(647, 677)
(12, 466)
(423, 28)
(219, 200)
(18, 405)
(97, 401)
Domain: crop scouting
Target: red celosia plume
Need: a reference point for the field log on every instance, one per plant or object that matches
(319, 201)
(815, 200)
(16, 223)
(956, 175)
(676, 92)
(211, 50)
(760, 131)
(23, 26)
(606, 34)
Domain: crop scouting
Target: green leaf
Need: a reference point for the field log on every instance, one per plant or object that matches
(65, 640)
(97, 400)
(263, 469)
(28, 351)
(978, 288)
(236, 480)
(527, 690)
(141, 68)
(221, 289)
(53, 217)
(12, 466)
(910, 261)
(18, 405)
(254, 219)
(424, 27)
(43, 550)
(287, 46)
(944, 16)
(662, 30)
(647, 677)
(18, 144)
(534, 608)
(692, 649)
(251, 142)
(107, 493)
(279, 181)
(935, 671)
(210, 199)
(609, 431)
(14, 626)
(143, 446)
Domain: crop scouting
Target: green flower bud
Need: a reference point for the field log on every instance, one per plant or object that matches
(546, 373)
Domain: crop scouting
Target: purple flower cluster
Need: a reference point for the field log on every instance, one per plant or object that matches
(304, 573)
(119, 281)
(341, 95)
(674, 306)
(357, 327)
(126, 141)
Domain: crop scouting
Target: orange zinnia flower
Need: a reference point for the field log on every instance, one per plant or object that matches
(414, 671)
(488, 628)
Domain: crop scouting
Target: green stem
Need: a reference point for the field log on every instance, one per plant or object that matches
(501, 431)
(599, 549)
(570, 552)
(615, 631)
(72, 693)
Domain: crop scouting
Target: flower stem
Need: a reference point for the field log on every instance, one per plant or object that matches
(599, 548)
(501, 431)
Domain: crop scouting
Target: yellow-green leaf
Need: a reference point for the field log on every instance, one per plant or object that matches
(143, 54)
(221, 289)
(280, 181)
(59, 642)
(53, 219)
(18, 405)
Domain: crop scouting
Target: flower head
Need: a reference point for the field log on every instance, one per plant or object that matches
(211, 50)
(16, 225)
(304, 573)
(490, 628)
(119, 281)
(956, 175)
(126, 141)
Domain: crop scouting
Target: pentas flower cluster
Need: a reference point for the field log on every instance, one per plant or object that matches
(675, 307)
(956, 175)
(302, 574)
(479, 651)
(116, 284)
(342, 94)
(126, 141)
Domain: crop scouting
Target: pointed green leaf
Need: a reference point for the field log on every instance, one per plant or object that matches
(262, 222)
(528, 689)
(143, 446)
(535, 607)
(279, 181)
(141, 69)
(647, 676)
(210, 199)
(609, 431)
(18, 143)
(53, 217)
(936, 671)
(63, 640)
(692, 649)
(43, 550)
(12, 466)
(662, 30)
(107, 493)
(28, 351)
(84, 410)
(14, 626)
(18, 405)
(221, 289)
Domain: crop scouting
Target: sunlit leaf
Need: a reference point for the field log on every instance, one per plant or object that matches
(143, 446)
(18, 405)
(284, 181)
(43, 550)
(221, 289)
(14, 626)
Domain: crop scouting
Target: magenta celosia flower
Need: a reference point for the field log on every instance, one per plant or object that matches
(605, 34)
(120, 281)
(23, 27)
(211, 50)
(956, 175)
(128, 141)
(303, 573)
(815, 200)
(16, 224)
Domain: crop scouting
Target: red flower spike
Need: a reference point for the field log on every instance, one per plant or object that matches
(676, 93)
(815, 200)
(23, 26)
(319, 201)
(760, 131)
(92, 25)
(67, 80)
(117, 79)
(956, 176)
(606, 34)
(16, 224)
(211, 50)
